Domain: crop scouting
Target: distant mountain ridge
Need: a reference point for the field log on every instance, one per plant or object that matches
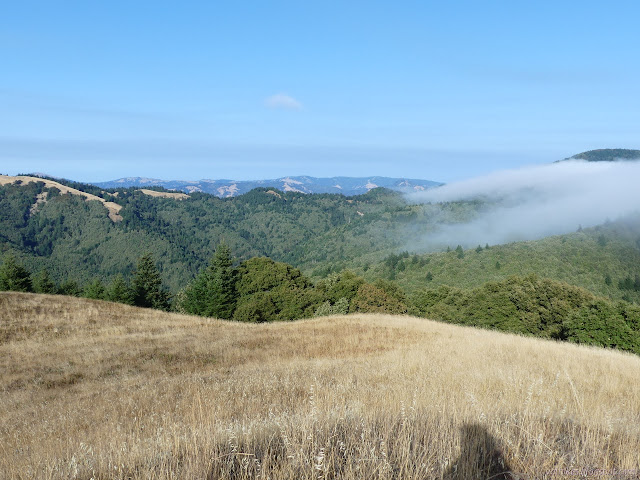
(304, 184)
(607, 155)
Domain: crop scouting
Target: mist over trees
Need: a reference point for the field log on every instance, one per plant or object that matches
(535, 202)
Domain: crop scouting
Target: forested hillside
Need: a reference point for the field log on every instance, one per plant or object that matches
(377, 235)
(72, 237)
(605, 260)
(607, 155)
(224, 258)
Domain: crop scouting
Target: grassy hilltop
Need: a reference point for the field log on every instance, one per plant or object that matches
(91, 389)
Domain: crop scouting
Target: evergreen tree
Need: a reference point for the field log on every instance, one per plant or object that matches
(13, 276)
(341, 307)
(193, 299)
(42, 283)
(148, 290)
(213, 292)
(119, 291)
(94, 290)
(70, 287)
(340, 285)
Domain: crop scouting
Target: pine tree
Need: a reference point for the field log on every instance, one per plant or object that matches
(213, 292)
(148, 290)
(119, 291)
(42, 283)
(69, 287)
(222, 287)
(13, 276)
(193, 298)
(94, 290)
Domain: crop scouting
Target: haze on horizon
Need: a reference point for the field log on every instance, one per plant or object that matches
(97, 91)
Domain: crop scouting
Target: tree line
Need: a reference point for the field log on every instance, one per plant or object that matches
(144, 288)
(255, 290)
(262, 290)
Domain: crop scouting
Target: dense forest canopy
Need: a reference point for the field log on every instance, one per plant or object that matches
(324, 232)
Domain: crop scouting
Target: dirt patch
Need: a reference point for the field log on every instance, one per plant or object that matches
(40, 198)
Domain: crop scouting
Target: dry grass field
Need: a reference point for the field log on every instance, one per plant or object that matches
(90, 389)
(153, 193)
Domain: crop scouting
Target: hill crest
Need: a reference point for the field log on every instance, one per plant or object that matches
(112, 207)
(607, 155)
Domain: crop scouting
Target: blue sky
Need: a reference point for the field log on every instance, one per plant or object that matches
(436, 90)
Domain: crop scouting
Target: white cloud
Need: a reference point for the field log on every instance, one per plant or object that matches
(537, 201)
(282, 100)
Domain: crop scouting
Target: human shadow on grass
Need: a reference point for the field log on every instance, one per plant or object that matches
(481, 457)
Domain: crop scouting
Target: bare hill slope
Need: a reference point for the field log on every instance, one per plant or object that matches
(93, 389)
(113, 208)
(154, 193)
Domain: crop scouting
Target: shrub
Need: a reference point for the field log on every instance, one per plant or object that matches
(341, 307)
(373, 299)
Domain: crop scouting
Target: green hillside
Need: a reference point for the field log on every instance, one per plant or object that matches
(607, 155)
(320, 234)
(539, 307)
(74, 238)
(605, 260)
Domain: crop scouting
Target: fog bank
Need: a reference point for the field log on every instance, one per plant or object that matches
(535, 202)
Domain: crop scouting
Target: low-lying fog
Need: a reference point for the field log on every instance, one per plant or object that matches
(538, 201)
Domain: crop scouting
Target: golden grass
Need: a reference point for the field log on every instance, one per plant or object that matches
(112, 207)
(153, 193)
(90, 389)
